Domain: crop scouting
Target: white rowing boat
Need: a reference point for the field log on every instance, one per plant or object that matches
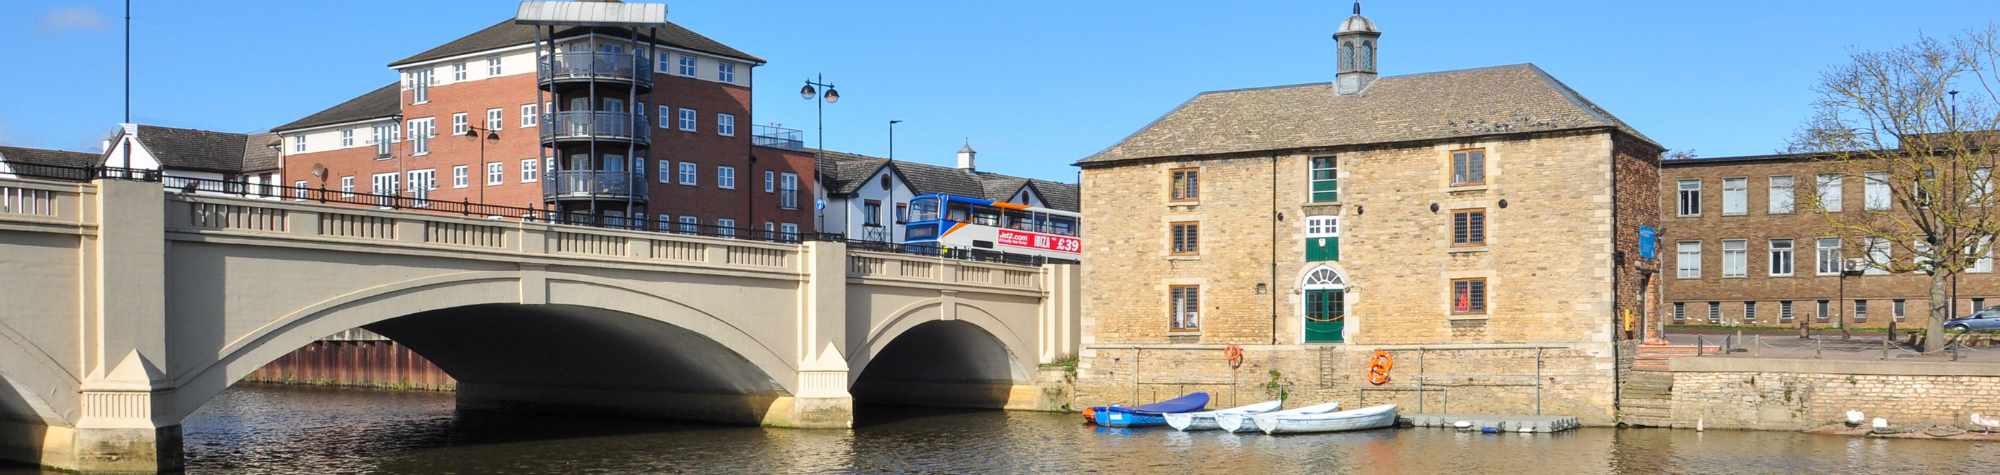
(1358, 419)
(1187, 421)
(1242, 423)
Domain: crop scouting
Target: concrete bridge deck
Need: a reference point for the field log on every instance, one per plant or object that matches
(128, 306)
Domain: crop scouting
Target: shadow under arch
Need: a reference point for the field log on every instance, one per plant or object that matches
(920, 358)
(596, 346)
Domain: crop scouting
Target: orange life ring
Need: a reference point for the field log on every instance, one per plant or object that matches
(1232, 353)
(1378, 368)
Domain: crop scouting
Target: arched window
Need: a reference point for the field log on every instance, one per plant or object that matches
(1347, 57)
(1324, 278)
(1367, 56)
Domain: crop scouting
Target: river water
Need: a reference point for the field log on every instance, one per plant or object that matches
(257, 429)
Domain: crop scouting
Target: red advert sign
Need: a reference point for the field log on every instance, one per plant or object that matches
(1041, 241)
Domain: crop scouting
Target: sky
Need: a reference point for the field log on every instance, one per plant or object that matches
(1032, 85)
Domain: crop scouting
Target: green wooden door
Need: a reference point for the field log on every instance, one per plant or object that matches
(1326, 315)
(1323, 248)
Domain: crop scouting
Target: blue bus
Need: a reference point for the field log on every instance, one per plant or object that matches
(956, 222)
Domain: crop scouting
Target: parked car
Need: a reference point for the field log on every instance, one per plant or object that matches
(1986, 319)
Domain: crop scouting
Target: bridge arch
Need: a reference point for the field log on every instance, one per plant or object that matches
(942, 351)
(580, 321)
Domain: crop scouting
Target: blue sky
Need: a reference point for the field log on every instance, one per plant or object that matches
(1035, 85)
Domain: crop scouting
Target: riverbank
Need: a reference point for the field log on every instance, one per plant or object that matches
(1807, 394)
(1924, 433)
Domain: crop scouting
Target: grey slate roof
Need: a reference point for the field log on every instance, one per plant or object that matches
(207, 150)
(61, 158)
(506, 34)
(1458, 104)
(258, 155)
(386, 101)
(845, 173)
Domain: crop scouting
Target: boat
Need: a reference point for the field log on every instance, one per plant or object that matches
(1187, 421)
(1149, 414)
(1242, 423)
(1358, 419)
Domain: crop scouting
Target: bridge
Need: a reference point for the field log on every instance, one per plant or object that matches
(127, 305)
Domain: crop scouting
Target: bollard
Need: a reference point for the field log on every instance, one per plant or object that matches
(1698, 345)
(1757, 349)
(1816, 348)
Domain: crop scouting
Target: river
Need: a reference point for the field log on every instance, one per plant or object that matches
(260, 429)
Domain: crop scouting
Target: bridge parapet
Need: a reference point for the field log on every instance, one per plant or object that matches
(933, 272)
(30, 205)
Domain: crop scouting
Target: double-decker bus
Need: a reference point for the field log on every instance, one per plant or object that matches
(954, 223)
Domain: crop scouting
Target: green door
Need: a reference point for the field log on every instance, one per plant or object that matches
(1322, 248)
(1326, 314)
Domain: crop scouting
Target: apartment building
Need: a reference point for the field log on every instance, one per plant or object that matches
(1746, 250)
(868, 198)
(1492, 212)
(603, 123)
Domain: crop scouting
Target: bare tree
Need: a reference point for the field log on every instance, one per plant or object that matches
(1912, 124)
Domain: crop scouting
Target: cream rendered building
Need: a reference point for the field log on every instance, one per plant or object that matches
(1491, 216)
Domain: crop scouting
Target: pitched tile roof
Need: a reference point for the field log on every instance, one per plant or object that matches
(61, 158)
(386, 101)
(845, 173)
(506, 34)
(258, 152)
(1465, 103)
(207, 150)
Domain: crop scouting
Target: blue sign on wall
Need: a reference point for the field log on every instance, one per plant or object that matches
(1647, 238)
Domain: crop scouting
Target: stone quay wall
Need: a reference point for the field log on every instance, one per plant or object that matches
(1743, 393)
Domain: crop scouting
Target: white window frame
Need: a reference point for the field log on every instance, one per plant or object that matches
(687, 66)
(666, 172)
(690, 225)
(347, 137)
(496, 173)
(421, 132)
(1984, 264)
(1688, 197)
(1735, 196)
(1827, 252)
(788, 191)
(1875, 191)
(1783, 194)
(299, 143)
(725, 227)
(495, 118)
(689, 120)
(459, 72)
(421, 183)
(725, 72)
(1687, 259)
(420, 85)
(690, 173)
(1735, 258)
(725, 125)
(385, 184)
(347, 186)
(458, 124)
(1918, 249)
(770, 181)
(725, 177)
(299, 190)
(660, 62)
(1783, 260)
(529, 167)
(530, 115)
(790, 231)
(493, 66)
(1322, 226)
(1878, 256)
(461, 176)
(1829, 191)
(666, 112)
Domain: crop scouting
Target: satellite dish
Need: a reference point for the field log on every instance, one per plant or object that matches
(319, 170)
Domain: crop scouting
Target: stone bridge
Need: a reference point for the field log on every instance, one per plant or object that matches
(125, 307)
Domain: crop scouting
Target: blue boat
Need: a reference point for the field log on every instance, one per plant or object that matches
(1149, 414)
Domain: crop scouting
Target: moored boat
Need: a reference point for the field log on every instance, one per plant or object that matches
(1242, 422)
(1189, 421)
(1149, 414)
(1358, 419)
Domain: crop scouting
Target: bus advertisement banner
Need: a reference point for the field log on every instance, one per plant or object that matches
(1039, 241)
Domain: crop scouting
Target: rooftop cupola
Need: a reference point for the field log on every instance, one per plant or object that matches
(1357, 41)
(965, 157)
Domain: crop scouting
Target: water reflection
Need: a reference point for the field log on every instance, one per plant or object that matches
(270, 430)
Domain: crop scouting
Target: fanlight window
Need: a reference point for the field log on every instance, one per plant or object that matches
(1322, 278)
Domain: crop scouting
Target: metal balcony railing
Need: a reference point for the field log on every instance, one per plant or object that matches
(600, 66)
(611, 184)
(777, 137)
(595, 125)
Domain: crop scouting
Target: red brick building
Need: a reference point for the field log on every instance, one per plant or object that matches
(602, 122)
(1742, 248)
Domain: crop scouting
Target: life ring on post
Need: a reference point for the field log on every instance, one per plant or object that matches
(1378, 368)
(1234, 354)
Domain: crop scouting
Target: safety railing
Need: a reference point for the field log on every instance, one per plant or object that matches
(614, 184)
(595, 125)
(595, 66)
(777, 137)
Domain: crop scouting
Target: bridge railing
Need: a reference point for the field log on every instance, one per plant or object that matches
(35, 201)
(939, 270)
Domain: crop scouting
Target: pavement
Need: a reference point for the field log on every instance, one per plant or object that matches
(1786, 344)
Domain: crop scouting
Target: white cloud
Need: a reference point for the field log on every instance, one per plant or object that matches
(64, 20)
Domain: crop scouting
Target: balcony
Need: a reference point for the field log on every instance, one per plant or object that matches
(777, 137)
(580, 66)
(584, 125)
(594, 184)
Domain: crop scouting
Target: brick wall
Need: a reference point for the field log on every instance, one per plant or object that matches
(1636, 204)
(1791, 395)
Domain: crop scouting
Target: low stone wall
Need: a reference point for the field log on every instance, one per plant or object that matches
(1576, 381)
(1748, 393)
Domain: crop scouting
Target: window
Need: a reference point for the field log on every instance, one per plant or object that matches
(1749, 313)
(1322, 238)
(1680, 311)
(493, 66)
(788, 231)
(770, 182)
(494, 118)
(1829, 256)
(1785, 312)
(725, 177)
(1920, 190)
(1184, 307)
(496, 173)
(1735, 196)
(1735, 258)
(1468, 296)
(1860, 311)
(666, 112)
(788, 187)
(665, 223)
(871, 213)
(528, 169)
(347, 187)
(385, 186)
(1825, 311)
(460, 176)
(725, 227)
(299, 143)
(687, 65)
(1781, 195)
(1468, 167)
(381, 136)
(346, 138)
(1690, 196)
(1875, 191)
(689, 172)
(725, 124)
(725, 72)
(1878, 256)
(1896, 309)
(299, 190)
(687, 120)
(529, 115)
(1468, 227)
(1920, 250)
(1187, 184)
(1715, 312)
(661, 63)
(1186, 238)
(421, 131)
(902, 213)
(1984, 263)
(690, 225)
(420, 85)
(1829, 192)
(1982, 180)
(1781, 257)
(1325, 180)
(458, 72)
(458, 124)
(1688, 260)
(421, 184)
(639, 108)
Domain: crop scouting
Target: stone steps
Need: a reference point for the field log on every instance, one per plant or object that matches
(1646, 397)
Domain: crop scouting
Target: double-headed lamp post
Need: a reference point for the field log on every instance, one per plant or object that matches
(809, 93)
(489, 136)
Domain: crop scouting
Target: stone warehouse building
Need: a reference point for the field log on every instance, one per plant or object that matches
(1491, 216)
(1744, 249)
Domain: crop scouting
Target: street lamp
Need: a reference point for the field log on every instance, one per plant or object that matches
(491, 136)
(832, 96)
(895, 210)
